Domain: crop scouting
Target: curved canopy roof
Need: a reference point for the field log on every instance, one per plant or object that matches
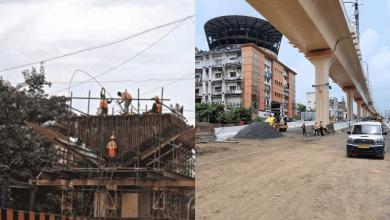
(236, 29)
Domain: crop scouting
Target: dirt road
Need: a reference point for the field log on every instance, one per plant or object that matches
(293, 177)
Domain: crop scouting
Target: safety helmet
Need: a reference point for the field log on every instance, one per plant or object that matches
(315, 123)
(112, 137)
(156, 97)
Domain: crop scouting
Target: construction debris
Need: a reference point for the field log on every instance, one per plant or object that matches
(258, 131)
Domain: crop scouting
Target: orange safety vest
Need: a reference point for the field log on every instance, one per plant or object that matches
(103, 103)
(159, 108)
(111, 149)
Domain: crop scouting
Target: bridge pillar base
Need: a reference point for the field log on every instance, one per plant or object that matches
(359, 108)
(350, 92)
(322, 64)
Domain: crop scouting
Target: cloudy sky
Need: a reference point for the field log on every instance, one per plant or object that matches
(375, 45)
(37, 30)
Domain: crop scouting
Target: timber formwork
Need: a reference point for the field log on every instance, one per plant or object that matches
(152, 176)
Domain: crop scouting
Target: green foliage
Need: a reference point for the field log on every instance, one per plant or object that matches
(23, 152)
(257, 119)
(216, 113)
(312, 110)
(301, 107)
(298, 117)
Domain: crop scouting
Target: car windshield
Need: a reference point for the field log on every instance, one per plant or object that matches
(366, 129)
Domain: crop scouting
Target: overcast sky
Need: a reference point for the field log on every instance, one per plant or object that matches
(375, 42)
(37, 30)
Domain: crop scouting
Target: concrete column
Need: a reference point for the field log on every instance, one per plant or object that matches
(359, 107)
(210, 88)
(363, 105)
(204, 78)
(322, 64)
(350, 92)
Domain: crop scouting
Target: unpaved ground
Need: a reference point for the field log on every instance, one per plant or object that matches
(313, 176)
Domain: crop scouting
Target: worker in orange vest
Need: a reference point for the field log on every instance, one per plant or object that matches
(126, 97)
(104, 102)
(111, 146)
(157, 105)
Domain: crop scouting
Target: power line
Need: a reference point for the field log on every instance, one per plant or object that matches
(113, 81)
(124, 61)
(101, 45)
(167, 84)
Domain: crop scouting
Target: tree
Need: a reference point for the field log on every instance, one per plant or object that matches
(23, 152)
(301, 107)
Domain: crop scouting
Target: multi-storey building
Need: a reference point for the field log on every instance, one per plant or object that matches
(310, 101)
(241, 67)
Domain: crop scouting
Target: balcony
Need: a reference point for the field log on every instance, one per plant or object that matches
(233, 92)
(286, 94)
(268, 75)
(267, 106)
(198, 95)
(266, 96)
(235, 78)
(217, 93)
(286, 101)
(198, 81)
(267, 87)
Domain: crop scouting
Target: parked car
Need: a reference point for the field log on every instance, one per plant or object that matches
(366, 138)
(289, 120)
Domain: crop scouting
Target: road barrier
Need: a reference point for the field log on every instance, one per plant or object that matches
(226, 132)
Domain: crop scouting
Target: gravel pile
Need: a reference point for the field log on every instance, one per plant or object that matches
(258, 131)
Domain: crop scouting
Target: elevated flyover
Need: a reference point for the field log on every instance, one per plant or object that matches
(321, 30)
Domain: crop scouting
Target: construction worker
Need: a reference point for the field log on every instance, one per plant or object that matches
(126, 97)
(316, 129)
(321, 129)
(104, 102)
(157, 105)
(111, 146)
(304, 129)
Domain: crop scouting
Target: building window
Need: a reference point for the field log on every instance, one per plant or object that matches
(232, 88)
(197, 64)
(218, 89)
(239, 86)
(196, 91)
(197, 76)
(219, 61)
(232, 74)
(309, 102)
(232, 58)
(218, 75)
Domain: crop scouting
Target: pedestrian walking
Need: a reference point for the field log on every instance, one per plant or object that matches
(304, 129)
(316, 129)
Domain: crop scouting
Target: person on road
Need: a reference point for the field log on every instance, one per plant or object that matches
(316, 129)
(321, 129)
(304, 129)
(126, 97)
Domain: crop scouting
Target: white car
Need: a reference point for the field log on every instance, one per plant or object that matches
(366, 138)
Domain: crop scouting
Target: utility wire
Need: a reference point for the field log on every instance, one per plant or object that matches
(167, 84)
(114, 81)
(107, 71)
(99, 46)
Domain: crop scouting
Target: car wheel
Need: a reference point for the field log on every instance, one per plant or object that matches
(382, 156)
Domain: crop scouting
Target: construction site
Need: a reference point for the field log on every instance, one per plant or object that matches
(151, 175)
